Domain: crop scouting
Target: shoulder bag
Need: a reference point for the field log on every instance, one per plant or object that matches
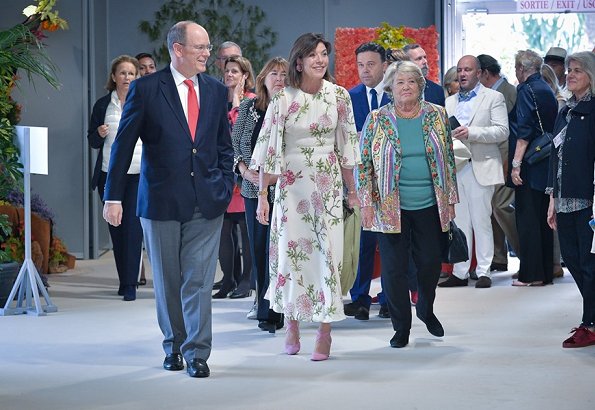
(540, 147)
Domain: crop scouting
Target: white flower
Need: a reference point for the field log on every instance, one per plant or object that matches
(30, 10)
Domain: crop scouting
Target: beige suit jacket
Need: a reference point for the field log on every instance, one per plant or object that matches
(488, 127)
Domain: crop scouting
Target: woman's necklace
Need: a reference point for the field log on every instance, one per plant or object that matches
(410, 115)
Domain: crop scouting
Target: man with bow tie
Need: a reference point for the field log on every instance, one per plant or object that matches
(483, 118)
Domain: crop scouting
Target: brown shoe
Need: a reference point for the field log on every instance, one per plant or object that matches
(559, 273)
(452, 282)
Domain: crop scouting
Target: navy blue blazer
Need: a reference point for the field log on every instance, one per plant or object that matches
(528, 128)
(578, 154)
(361, 109)
(177, 174)
(95, 141)
(434, 93)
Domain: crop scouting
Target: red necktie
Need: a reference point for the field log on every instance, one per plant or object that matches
(192, 108)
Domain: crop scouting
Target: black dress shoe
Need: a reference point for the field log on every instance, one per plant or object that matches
(351, 308)
(498, 267)
(221, 294)
(173, 362)
(483, 282)
(217, 285)
(473, 275)
(452, 282)
(198, 368)
(433, 325)
(240, 293)
(383, 312)
(399, 340)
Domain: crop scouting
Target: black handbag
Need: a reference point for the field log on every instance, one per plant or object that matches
(541, 147)
(456, 249)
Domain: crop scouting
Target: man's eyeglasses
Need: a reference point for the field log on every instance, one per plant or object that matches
(200, 48)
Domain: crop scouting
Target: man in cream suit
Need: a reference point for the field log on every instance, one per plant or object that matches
(483, 118)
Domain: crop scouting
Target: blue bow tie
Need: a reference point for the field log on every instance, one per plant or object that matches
(466, 95)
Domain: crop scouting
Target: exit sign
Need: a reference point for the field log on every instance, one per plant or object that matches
(556, 6)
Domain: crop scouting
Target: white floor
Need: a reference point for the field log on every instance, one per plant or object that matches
(502, 350)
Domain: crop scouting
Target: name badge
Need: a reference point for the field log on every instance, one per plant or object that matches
(558, 140)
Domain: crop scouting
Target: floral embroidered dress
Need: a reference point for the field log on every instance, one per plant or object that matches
(306, 139)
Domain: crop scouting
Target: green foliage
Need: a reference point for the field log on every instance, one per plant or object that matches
(392, 37)
(224, 20)
(20, 51)
(5, 232)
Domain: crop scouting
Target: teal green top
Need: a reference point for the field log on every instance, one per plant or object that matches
(415, 181)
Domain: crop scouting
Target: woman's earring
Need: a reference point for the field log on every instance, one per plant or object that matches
(299, 67)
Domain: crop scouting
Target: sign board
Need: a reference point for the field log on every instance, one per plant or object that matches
(555, 6)
(38, 148)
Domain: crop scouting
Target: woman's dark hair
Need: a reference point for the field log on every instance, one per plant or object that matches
(263, 100)
(111, 85)
(304, 45)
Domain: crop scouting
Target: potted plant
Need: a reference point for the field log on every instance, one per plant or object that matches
(21, 51)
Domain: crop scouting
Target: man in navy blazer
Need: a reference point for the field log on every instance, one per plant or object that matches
(433, 92)
(185, 187)
(371, 64)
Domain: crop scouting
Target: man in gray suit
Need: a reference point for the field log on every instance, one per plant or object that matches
(185, 186)
(481, 113)
(503, 217)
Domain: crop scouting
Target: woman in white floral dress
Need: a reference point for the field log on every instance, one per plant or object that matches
(309, 139)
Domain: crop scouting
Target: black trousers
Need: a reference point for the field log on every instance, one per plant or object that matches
(127, 239)
(235, 265)
(422, 237)
(575, 246)
(536, 238)
(259, 245)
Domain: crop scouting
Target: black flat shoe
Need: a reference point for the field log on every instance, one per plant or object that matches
(173, 362)
(240, 294)
(433, 325)
(198, 368)
(129, 293)
(217, 285)
(269, 326)
(399, 340)
(142, 282)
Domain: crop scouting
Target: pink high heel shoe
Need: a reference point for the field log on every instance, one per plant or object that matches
(292, 332)
(322, 349)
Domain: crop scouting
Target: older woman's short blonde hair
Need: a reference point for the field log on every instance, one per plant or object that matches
(529, 60)
(586, 59)
(403, 67)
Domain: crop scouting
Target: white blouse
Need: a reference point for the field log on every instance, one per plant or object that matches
(112, 120)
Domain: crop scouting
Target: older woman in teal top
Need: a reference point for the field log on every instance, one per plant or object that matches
(407, 187)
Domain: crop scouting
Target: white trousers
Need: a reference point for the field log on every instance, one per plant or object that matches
(473, 217)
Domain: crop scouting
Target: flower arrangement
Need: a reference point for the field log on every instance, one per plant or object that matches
(348, 39)
(42, 16)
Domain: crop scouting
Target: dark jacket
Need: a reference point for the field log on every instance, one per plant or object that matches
(578, 152)
(177, 174)
(528, 128)
(95, 141)
(434, 93)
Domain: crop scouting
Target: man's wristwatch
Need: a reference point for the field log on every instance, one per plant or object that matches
(516, 164)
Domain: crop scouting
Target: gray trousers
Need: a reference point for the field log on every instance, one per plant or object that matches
(503, 223)
(183, 257)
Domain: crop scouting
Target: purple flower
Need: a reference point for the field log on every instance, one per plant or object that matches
(306, 245)
(304, 306)
(323, 181)
(317, 203)
(325, 121)
(321, 296)
(303, 207)
(292, 245)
